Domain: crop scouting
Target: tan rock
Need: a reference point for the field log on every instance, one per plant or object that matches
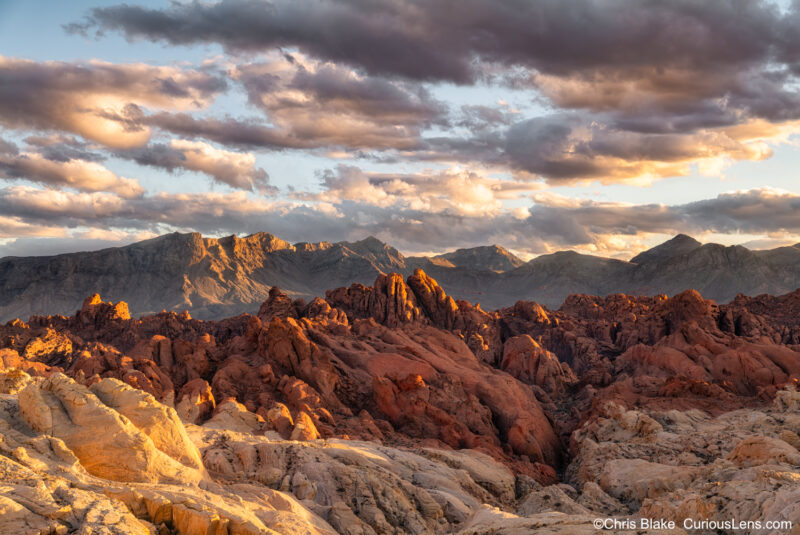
(280, 419)
(157, 421)
(304, 428)
(13, 380)
(231, 415)
(633, 480)
(195, 402)
(548, 499)
(107, 444)
(754, 451)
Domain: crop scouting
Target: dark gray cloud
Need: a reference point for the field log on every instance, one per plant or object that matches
(6, 147)
(331, 105)
(237, 132)
(569, 147)
(309, 106)
(433, 39)
(63, 148)
(659, 84)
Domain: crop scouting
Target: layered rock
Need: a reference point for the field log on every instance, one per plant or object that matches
(119, 433)
(682, 465)
(59, 445)
(643, 401)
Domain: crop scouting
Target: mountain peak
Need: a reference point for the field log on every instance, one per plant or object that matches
(679, 245)
(370, 242)
(487, 257)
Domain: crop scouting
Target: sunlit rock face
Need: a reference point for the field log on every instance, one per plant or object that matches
(394, 408)
(214, 278)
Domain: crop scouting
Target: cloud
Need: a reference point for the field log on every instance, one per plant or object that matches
(454, 191)
(550, 223)
(312, 105)
(235, 169)
(383, 37)
(640, 90)
(13, 227)
(62, 148)
(565, 147)
(330, 105)
(754, 211)
(74, 173)
(100, 101)
(429, 40)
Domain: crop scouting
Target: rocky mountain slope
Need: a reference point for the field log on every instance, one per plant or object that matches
(393, 408)
(215, 278)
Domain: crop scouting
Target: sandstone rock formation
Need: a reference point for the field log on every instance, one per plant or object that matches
(394, 408)
(141, 440)
(63, 479)
(688, 464)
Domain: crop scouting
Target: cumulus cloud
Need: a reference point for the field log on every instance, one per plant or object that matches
(74, 173)
(331, 105)
(235, 169)
(565, 147)
(624, 91)
(13, 227)
(100, 101)
(453, 191)
(661, 86)
(309, 105)
(62, 148)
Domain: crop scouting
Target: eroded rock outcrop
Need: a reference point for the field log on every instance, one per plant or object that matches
(121, 434)
(645, 401)
(59, 444)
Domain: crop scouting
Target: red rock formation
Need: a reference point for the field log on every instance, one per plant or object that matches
(195, 401)
(402, 362)
(531, 363)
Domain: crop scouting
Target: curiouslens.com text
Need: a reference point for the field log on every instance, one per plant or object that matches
(691, 524)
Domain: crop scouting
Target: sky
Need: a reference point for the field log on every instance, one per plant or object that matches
(601, 126)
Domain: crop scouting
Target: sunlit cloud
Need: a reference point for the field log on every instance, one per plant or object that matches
(74, 173)
(100, 101)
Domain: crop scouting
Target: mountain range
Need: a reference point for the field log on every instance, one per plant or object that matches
(218, 277)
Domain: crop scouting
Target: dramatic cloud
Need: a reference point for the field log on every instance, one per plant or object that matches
(74, 173)
(756, 211)
(234, 169)
(564, 147)
(62, 148)
(430, 39)
(12, 227)
(313, 105)
(99, 101)
(329, 105)
(660, 85)
(454, 123)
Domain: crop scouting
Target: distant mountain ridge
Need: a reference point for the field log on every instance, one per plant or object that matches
(214, 278)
